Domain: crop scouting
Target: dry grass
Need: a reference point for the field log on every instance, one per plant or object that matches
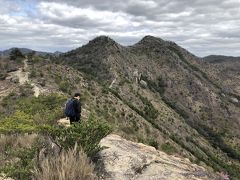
(69, 165)
(13, 142)
(16, 141)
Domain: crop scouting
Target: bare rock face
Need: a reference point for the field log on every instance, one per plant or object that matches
(3, 177)
(123, 159)
(143, 83)
(49, 148)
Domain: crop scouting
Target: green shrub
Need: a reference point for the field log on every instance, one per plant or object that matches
(3, 75)
(28, 113)
(64, 86)
(161, 85)
(26, 90)
(216, 140)
(86, 134)
(20, 169)
(149, 111)
(158, 86)
(115, 93)
(218, 164)
(168, 148)
(150, 142)
(18, 122)
(153, 143)
(33, 73)
(140, 139)
(40, 104)
(175, 107)
(16, 55)
(48, 107)
(30, 55)
(127, 129)
(37, 59)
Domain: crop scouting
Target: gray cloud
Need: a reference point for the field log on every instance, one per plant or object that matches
(202, 26)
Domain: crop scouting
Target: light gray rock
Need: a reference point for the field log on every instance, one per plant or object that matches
(3, 177)
(124, 160)
(143, 83)
(223, 94)
(235, 100)
(114, 81)
(136, 76)
(49, 148)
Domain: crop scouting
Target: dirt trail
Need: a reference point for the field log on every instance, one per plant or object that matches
(23, 76)
(22, 73)
(5, 92)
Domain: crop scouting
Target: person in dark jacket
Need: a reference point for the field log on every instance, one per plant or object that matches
(77, 109)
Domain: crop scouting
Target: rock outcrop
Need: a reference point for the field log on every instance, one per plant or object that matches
(122, 159)
(3, 177)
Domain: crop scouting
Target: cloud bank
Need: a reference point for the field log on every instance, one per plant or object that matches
(203, 27)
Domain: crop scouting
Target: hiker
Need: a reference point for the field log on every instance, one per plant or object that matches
(73, 109)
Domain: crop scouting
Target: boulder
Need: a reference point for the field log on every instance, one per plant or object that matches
(49, 147)
(143, 83)
(234, 100)
(123, 160)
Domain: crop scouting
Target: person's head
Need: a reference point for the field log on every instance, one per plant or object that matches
(77, 95)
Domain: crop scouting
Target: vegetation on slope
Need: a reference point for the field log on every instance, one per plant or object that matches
(39, 115)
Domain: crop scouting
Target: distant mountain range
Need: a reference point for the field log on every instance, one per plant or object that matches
(220, 58)
(26, 51)
(209, 58)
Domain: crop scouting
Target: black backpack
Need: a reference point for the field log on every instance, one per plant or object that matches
(69, 109)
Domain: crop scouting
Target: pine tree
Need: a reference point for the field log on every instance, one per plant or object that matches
(16, 54)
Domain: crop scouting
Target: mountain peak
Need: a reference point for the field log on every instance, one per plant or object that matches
(102, 40)
(147, 40)
(151, 38)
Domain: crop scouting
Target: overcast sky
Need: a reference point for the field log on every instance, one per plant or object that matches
(203, 27)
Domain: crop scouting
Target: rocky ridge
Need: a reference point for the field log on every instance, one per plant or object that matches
(168, 88)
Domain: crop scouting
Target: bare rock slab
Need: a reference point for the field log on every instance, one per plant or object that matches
(123, 160)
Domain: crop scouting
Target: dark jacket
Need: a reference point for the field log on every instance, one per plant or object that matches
(77, 107)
